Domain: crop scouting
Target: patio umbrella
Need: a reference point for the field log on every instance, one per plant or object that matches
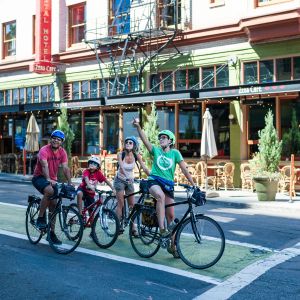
(208, 142)
(32, 138)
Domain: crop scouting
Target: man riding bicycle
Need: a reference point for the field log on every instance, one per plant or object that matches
(50, 157)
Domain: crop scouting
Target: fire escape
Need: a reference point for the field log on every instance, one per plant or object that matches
(136, 32)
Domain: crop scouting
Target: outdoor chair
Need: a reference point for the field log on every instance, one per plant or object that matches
(246, 177)
(285, 180)
(225, 176)
(76, 170)
(199, 174)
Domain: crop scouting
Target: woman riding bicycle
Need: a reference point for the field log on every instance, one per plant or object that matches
(161, 179)
(127, 160)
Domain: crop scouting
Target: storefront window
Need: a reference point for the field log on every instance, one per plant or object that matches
(287, 107)
(190, 124)
(180, 80)
(283, 69)
(250, 73)
(49, 124)
(111, 132)
(75, 124)
(208, 77)
(296, 67)
(166, 118)
(220, 114)
(128, 129)
(91, 130)
(257, 115)
(36, 94)
(44, 92)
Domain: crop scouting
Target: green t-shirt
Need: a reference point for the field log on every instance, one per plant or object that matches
(164, 163)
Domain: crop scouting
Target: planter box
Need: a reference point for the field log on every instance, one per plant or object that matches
(266, 189)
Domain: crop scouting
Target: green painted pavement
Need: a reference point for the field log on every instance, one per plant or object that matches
(234, 259)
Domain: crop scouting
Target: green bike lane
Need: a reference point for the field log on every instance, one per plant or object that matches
(236, 256)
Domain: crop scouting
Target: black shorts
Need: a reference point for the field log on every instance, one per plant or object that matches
(40, 183)
(88, 200)
(152, 182)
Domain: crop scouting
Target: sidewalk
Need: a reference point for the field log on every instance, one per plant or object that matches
(230, 198)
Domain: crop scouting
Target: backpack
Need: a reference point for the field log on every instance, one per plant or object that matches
(136, 161)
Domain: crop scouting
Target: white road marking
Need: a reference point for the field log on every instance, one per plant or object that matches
(183, 291)
(243, 278)
(13, 205)
(129, 261)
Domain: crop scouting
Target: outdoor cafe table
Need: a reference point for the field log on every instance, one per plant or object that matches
(215, 168)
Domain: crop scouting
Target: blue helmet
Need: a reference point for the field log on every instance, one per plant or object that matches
(59, 134)
(135, 142)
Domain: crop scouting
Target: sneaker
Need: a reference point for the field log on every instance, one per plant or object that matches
(53, 238)
(41, 223)
(164, 233)
(172, 250)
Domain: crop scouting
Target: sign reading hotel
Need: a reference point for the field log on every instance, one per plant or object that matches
(43, 64)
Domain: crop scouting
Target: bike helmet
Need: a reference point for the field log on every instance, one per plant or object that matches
(59, 134)
(169, 134)
(95, 160)
(135, 142)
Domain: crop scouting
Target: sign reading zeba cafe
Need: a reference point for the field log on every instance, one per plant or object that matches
(43, 63)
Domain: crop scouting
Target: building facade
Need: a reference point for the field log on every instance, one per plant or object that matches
(113, 57)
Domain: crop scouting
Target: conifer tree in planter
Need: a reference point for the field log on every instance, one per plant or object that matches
(151, 130)
(265, 163)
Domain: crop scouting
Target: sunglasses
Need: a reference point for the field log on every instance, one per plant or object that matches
(93, 164)
(162, 137)
(129, 142)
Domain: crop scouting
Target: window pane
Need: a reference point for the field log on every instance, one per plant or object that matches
(123, 85)
(51, 93)
(222, 75)
(75, 91)
(166, 118)
(266, 71)
(94, 88)
(28, 95)
(180, 80)
(208, 77)
(284, 69)
(10, 31)
(104, 88)
(44, 89)
(84, 89)
(75, 124)
(77, 15)
(193, 78)
(111, 132)
(296, 67)
(134, 84)
(36, 94)
(128, 129)
(250, 73)
(167, 81)
(154, 80)
(22, 96)
(190, 122)
(20, 133)
(15, 96)
(1, 97)
(91, 130)
(7, 97)
(220, 114)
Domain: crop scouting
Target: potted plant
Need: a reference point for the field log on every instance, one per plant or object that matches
(265, 163)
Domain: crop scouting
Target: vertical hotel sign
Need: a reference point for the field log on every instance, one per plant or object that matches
(43, 64)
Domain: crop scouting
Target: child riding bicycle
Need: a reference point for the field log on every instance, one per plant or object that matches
(90, 178)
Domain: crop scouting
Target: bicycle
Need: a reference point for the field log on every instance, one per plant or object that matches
(68, 229)
(103, 221)
(200, 240)
(111, 203)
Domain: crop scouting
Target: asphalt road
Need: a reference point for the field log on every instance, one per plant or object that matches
(27, 272)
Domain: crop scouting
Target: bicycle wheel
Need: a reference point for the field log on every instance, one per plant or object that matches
(111, 203)
(200, 242)
(68, 228)
(144, 232)
(105, 228)
(33, 233)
